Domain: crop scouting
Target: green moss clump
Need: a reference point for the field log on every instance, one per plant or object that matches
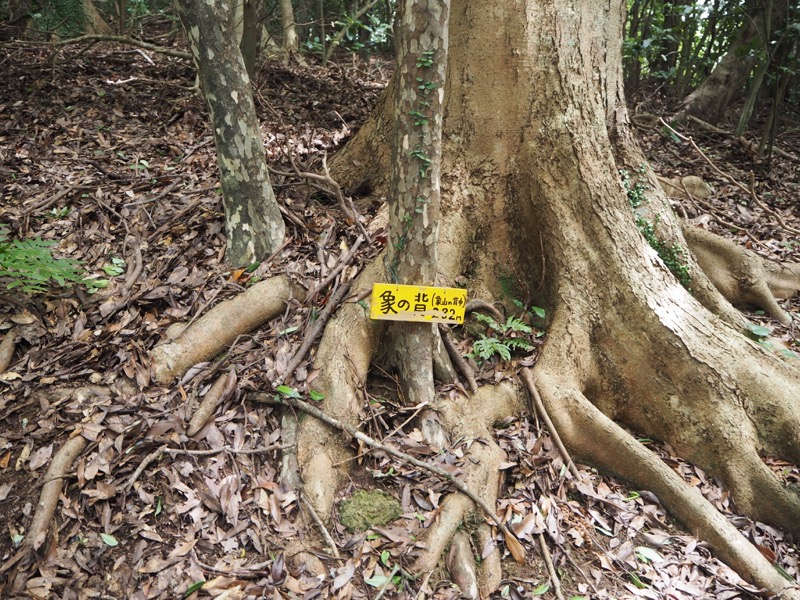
(366, 509)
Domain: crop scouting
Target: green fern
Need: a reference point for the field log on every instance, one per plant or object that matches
(502, 343)
(30, 265)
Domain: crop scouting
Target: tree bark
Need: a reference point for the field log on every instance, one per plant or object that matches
(415, 193)
(535, 133)
(252, 218)
(290, 43)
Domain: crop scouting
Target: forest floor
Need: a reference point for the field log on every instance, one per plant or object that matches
(107, 153)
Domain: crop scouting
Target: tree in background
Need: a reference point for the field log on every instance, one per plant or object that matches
(535, 134)
(253, 220)
(751, 45)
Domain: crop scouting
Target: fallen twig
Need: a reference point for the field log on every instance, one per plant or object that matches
(548, 560)
(165, 449)
(343, 262)
(527, 377)
(457, 359)
(751, 191)
(328, 184)
(121, 39)
(321, 526)
(315, 331)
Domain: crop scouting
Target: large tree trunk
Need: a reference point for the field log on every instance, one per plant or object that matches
(252, 218)
(535, 132)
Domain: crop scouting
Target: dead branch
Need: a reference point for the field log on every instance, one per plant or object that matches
(457, 359)
(514, 546)
(751, 191)
(336, 270)
(328, 184)
(548, 560)
(527, 377)
(120, 39)
(321, 526)
(164, 449)
(315, 331)
(217, 329)
(750, 146)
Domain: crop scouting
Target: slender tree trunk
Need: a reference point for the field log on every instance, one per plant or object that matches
(253, 220)
(415, 192)
(249, 40)
(290, 40)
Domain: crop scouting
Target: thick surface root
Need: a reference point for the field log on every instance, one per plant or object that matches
(734, 424)
(346, 350)
(217, 329)
(741, 276)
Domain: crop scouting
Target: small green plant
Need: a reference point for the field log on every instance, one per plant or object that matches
(675, 258)
(504, 338)
(30, 266)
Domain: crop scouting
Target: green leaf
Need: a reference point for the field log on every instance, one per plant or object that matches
(316, 396)
(783, 573)
(377, 581)
(539, 312)
(647, 554)
(385, 556)
(193, 588)
(637, 582)
(542, 589)
(109, 540)
(287, 392)
(489, 321)
(113, 270)
(758, 331)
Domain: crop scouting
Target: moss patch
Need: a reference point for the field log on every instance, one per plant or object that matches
(366, 509)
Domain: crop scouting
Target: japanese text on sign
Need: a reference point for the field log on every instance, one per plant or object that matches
(418, 303)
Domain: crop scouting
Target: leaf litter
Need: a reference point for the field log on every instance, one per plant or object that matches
(110, 156)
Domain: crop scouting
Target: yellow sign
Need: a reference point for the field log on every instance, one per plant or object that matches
(418, 303)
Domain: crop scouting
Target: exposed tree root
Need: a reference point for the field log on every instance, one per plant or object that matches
(7, 347)
(45, 509)
(743, 277)
(729, 447)
(222, 388)
(217, 329)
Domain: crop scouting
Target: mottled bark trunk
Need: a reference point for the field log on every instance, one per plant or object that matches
(253, 220)
(415, 193)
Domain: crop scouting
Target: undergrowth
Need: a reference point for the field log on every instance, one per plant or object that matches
(29, 265)
(675, 257)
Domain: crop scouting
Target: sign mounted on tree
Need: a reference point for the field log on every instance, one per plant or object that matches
(418, 303)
